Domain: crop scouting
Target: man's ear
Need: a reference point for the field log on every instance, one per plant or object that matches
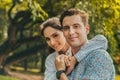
(87, 29)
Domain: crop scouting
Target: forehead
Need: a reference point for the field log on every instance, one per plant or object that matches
(49, 31)
(70, 20)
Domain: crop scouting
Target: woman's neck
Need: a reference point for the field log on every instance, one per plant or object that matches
(64, 50)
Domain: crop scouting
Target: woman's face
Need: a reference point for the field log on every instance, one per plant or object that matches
(54, 38)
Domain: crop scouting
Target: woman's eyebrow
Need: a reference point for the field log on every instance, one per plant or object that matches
(55, 33)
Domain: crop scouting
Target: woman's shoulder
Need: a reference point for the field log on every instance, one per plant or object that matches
(52, 55)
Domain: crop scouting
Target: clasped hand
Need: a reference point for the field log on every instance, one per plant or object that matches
(64, 62)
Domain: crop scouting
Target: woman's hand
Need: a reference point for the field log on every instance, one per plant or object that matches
(60, 63)
(64, 62)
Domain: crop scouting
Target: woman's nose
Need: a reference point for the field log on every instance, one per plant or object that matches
(52, 42)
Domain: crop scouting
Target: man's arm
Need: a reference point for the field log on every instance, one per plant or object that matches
(99, 66)
(98, 42)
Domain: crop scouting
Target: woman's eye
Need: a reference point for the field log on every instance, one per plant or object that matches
(47, 39)
(55, 35)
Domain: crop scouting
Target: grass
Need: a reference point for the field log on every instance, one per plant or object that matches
(22, 69)
(37, 71)
(10, 78)
(7, 78)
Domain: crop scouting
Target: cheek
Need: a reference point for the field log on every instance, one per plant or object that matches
(48, 43)
(65, 33)
(84, 31)
(62, 39)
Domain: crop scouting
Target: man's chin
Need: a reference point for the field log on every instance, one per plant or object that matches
(74, 45)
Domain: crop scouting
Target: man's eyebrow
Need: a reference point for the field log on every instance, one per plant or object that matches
(76, 24)
(66, 26)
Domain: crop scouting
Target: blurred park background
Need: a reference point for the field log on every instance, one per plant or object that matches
(23, 50)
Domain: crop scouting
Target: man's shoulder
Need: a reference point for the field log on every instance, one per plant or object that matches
(99, 53)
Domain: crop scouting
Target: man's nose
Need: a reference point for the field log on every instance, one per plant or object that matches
(71, 31)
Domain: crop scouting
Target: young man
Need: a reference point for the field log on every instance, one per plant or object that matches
(96, 65)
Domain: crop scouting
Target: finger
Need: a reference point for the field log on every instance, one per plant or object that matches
(68, 71)
(69, 58)
(67, 61)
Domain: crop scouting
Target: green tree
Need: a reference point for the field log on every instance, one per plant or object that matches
(23, 21)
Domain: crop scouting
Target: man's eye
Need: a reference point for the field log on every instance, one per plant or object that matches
(76, 26)
(65, 28)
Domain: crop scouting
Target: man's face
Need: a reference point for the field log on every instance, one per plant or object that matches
(74, 31)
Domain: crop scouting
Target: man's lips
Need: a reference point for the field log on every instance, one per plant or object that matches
(72, 38)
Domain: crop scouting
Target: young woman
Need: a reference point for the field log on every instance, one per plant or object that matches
(52, 32)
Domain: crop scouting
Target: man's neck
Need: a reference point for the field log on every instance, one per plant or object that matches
(76, 49)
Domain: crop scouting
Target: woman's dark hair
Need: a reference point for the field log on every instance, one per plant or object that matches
(51, 22)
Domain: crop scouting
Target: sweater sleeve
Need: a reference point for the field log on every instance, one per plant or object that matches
(98, 42)
(50, 72)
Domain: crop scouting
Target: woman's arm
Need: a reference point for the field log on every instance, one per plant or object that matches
(50, 71)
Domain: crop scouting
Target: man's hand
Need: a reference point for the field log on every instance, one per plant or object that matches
(70, 63)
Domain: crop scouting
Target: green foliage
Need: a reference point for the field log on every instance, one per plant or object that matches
(3, 20)
(37, 11)
(104, 18)
(20, 20)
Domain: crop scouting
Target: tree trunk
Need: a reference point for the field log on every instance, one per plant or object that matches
(25, 65)
(44, 55)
